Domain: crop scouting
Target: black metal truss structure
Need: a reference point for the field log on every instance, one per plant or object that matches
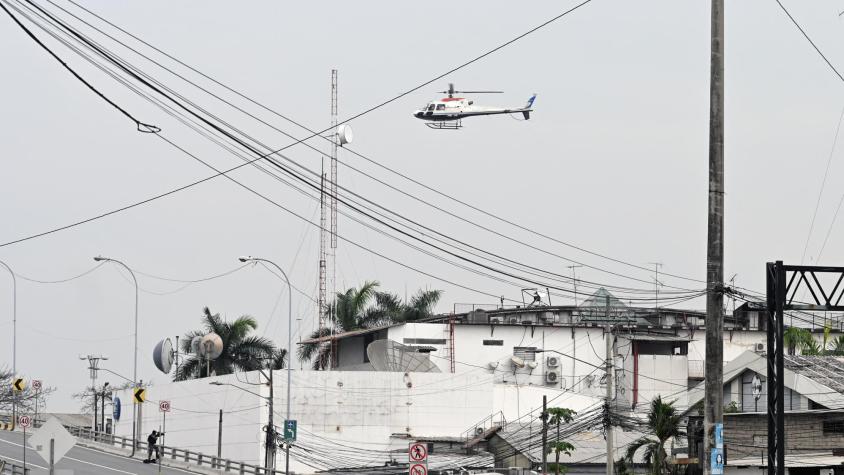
(783, 283)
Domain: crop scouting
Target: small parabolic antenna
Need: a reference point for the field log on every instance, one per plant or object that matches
(518, 362)
(194, 344)
(211, 346)
(162, 355)
(345, 134)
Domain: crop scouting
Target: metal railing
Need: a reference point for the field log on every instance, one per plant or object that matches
(11, 469)
(173, 453)
(495, 419)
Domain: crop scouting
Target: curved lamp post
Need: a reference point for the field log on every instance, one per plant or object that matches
(289, 343)
(135, 364)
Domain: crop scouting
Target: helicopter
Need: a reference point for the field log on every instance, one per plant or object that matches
(448, 112)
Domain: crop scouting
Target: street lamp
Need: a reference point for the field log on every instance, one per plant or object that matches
(289, 347)
(135, 366)
(14, 336)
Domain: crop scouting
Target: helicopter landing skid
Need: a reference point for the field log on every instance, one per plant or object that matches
(445, 125)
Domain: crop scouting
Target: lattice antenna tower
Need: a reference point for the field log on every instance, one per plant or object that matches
(323, 244)
(335, 139)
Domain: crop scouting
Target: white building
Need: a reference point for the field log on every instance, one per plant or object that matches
(446, 380)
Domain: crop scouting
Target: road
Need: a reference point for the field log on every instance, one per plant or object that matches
(81, 460)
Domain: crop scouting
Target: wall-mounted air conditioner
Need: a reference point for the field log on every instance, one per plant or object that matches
(479, 430)
(494, 320)
(552, 376)
(514, 321)
(552, 361)
(760, 348)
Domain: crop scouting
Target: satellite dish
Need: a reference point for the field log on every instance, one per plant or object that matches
(531, 364)
(162, 355)
(194, 344)
(211, 346)
(492, 365)
(345, 134)
(518, 362)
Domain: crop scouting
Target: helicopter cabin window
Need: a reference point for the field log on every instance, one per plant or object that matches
(440, 107)
(430, 107)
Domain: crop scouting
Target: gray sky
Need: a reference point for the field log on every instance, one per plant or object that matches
(614, 159)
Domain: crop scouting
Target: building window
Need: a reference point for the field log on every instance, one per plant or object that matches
(527, 353)
(424, 341)
(833, 427)
(493, 342)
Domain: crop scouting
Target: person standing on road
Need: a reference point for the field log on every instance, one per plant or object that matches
(152, 444)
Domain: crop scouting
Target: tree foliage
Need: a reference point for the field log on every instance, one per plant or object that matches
(664, 423)
(557, 416)
(366, 307)
(25, 400)
(242, 351)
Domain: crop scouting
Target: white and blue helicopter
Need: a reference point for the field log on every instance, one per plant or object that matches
(448, 112)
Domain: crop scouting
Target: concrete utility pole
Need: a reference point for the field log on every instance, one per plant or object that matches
(610, 377)
(713, 402)
(544, 434)
(93, 366)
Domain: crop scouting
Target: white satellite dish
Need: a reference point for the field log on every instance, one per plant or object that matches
(345, 134)
(194, 344)
(531, 364)
(518, 362)
(162, 355)
(492, 365)
(211, 346)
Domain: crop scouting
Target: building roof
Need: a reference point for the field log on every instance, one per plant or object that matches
(820, 378)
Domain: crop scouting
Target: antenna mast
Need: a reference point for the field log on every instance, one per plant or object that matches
(335, 140)
(323, 238)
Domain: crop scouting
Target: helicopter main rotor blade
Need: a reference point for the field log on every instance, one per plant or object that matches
(480, 92)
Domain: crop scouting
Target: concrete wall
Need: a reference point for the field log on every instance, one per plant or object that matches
(360, 409)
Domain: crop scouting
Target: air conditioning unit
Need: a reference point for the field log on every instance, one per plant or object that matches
(494, 320)
(552, 361)
(760, 348)
(552, 376)
(514, 321)
(527, 322)
(479, 430)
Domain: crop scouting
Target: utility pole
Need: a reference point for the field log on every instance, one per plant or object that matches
(574, 281)
(93, 366)
(713, 401)
(220, 436)
(657, 283)
(269, 453)
(544, 434)
(610, 377)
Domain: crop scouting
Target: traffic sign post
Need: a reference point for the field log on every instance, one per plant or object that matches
(290, 430)
(36, 385)
(24, 422)
(140, 395)
(417, 456)
(163, 408)
(418, 469)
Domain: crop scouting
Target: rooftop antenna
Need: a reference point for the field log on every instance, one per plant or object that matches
(657, 283)
(333, 183)
(574, 280)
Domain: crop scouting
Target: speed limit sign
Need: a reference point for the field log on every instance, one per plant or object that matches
(25, 421)
(163, 406)
(36, 384)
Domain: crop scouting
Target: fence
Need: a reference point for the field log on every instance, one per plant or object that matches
(174, 453)
(11, 469)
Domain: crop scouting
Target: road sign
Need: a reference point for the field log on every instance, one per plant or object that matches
(163, 406)
(290, 430)
(25, 421)
(115, 410)
(418, 469)
(417, 452)
(140, 395)
(52, 429)
(18, 384)
(36, 384)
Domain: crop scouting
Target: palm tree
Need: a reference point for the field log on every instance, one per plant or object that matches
(366, 307)
(794, 338)
(664, 422)
(837, 346)
(559, 416)
(241, 351)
